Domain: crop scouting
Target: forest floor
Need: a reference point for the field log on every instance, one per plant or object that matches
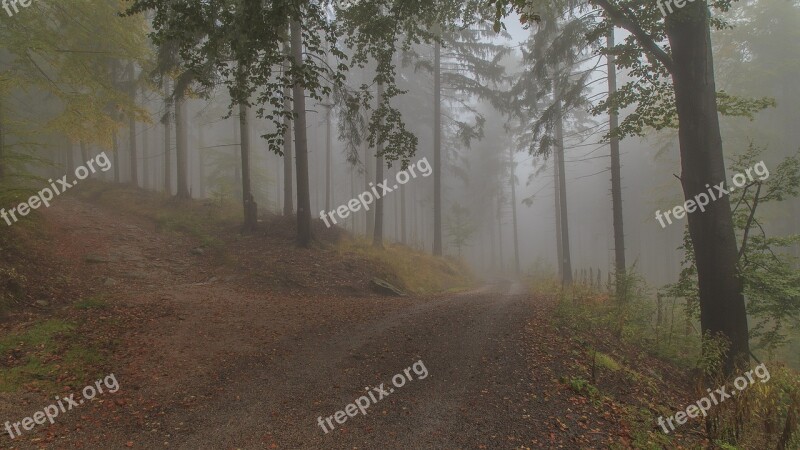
(247, 350)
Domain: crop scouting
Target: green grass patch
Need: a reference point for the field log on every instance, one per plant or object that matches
(581, 386)
(606, 361)
(44, 352)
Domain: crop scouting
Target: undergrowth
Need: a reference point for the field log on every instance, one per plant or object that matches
(415, 271)
(765, 415)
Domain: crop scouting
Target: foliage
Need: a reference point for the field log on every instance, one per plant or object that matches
(771, 279)
(764, 415)
(62, 54)
(460, 227)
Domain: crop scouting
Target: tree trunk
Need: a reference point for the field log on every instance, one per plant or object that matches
(437, 150)
(167, 138)
(146, 163)
(722, 305)
(370, 215)
(288, 163)
(248, 201)
(403, 228)
(288, 175)
(201, 164)
(514, 211)
(328, 160)
(500, 234)
(377, 237)
(182, 144)
(616, 180)
(304, 235)
(557, 197)
(134, 157)
(562, 190)
(237, 155)
(114, 137)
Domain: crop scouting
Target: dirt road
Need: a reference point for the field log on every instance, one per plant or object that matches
(212, 361)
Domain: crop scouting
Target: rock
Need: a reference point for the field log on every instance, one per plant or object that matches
(42, 303)
(198, 251)
(384, 287)
(110, 282)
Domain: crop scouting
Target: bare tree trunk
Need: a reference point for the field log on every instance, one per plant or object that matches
(403, 227)
(328, 160)
(301, 140)
(616, 179)
(147, 165)
(722, 305)
(513, 181)
(182, 144)
(167, 138)
(249, 203)
(114, 137)
(134, 158)
(237, 155)
(377, 239)
(500, 232)
(562, 188)
(370, 215)
(557, 195)
(288, 172)
(437, 150)
(201, 164)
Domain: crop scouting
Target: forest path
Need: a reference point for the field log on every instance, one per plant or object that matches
(216, 364)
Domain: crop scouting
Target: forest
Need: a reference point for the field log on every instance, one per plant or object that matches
(511, 224)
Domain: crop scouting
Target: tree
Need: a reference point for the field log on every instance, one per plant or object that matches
(675, 87)
(616, 174)
(301, 139)
(248, 201)
(134, 157)
(377, 236)
(167, 120)
(513, 183)
(67, 65)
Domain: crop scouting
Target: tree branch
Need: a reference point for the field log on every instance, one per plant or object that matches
(621, 19)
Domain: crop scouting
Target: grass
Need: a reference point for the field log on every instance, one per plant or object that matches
(42, 354)
(412, 270)
(91, 303)
(606, 361)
